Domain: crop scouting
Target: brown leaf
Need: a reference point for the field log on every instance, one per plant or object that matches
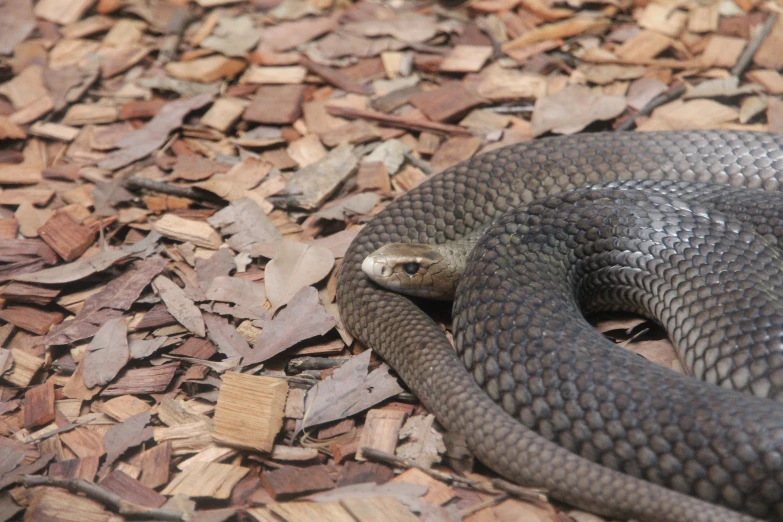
(302, 318)
(245, 295)
(247, 225)
(117, 296)
(126, 435)
(107, 195)
(141, 348)
(349, 390)
(573, 109)
(74, 271)
(423, 443)
(16, 23)
(179, 305)
(147, 139)
(107, 353)
(225, 336)
(294, 267)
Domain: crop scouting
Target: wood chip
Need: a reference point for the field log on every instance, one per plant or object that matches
(187, 230)
(466, 58)
(275, 104)
(249, 412)
(381, 429)
(39, 405)
(290, 481)
(452, 101)
(206, 479)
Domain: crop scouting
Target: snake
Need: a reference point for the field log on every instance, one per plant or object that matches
(549, 405)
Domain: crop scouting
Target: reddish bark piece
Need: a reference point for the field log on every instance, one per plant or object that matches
(8, 228)
(141, 109)
(277, 104)
(132, 490)
(39, 405)
(289, 481)
(445, 103)
(83, 468)
(157, 317)
(24, 293)
(70, 240)
(27, 247)
(196, 348)
(142, 380)
(362, 472)
(31, 319)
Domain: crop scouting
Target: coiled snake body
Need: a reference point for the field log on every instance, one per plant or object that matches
(603, 417)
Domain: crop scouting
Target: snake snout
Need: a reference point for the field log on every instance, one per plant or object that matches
(375, 269)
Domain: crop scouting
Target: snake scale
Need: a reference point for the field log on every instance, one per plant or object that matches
(622, 417)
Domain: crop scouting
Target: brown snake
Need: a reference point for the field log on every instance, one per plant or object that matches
(622, 418)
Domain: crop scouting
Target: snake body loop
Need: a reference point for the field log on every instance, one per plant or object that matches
(617, 415)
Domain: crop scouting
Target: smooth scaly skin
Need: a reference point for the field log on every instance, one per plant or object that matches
(472, 194)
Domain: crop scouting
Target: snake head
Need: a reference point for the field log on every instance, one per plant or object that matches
(412, 269)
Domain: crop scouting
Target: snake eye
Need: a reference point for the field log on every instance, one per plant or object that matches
(410, 268)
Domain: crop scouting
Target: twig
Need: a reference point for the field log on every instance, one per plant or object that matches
(398, 122)
(136, 183)
(475, 508)
(532, 495)
(101, 495)
(666, 97)
(393, 460)
(418, 163)
(747, 55)
(335, 77)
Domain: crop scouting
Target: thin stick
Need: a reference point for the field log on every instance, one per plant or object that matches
(753, 46)
(528, 494)
(398, 122)
(101, 495)
(136, 183)
(666, 97)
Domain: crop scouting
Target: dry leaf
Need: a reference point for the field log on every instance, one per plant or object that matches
(126, 435)
(74, 271)
(233, 36)
(573, 109)
(423, 443)
(179, 305)
(247, 297)
(302, 318)
(16, 23)
(247, 225)
(226, 338)
(147, 139)
(141, 348)
(349, 390)
(107, 304)
(407, 27)
(107, 353)
(294, 267)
